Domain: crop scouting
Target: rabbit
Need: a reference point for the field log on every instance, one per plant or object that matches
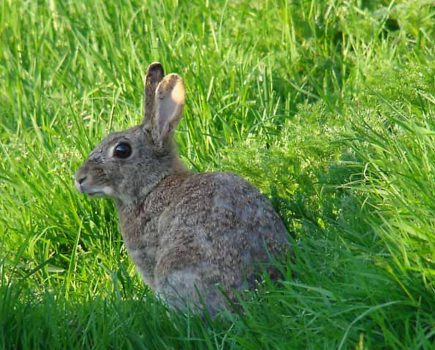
(195, 238)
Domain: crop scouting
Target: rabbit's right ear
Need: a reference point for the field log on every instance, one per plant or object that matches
(154, 75)
(168, 107)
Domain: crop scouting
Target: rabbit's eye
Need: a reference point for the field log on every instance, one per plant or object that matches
(122, 150)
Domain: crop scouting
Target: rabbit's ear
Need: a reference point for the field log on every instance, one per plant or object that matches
(169, 102)
(154, 76)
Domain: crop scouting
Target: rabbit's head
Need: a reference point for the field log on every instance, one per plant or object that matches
(126, 165)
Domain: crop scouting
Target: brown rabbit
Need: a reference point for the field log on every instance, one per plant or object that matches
(189, 234)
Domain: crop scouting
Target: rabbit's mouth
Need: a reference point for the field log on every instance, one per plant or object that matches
(94, 192)
(97, 194)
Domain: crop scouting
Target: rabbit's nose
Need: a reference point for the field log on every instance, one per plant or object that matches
(82, 179)
(79, 179)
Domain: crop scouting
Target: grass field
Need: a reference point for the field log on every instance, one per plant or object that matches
(326, 106)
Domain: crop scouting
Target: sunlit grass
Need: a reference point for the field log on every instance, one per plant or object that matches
(326, 106)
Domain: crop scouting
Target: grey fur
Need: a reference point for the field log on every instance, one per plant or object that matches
(188, 234)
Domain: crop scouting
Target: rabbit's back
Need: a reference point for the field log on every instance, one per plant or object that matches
(218, 218)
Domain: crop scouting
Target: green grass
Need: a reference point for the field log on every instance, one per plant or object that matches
(326, 106)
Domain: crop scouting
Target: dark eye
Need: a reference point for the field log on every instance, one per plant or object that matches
(122, 150)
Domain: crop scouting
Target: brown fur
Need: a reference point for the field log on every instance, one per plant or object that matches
(188, 234)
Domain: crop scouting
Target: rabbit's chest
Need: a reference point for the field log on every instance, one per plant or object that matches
(140, 226)
(141, 239)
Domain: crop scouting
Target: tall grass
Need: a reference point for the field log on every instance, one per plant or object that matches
(326, 106)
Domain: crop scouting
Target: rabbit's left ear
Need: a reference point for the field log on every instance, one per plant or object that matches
(168, 106)
(154, 76)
